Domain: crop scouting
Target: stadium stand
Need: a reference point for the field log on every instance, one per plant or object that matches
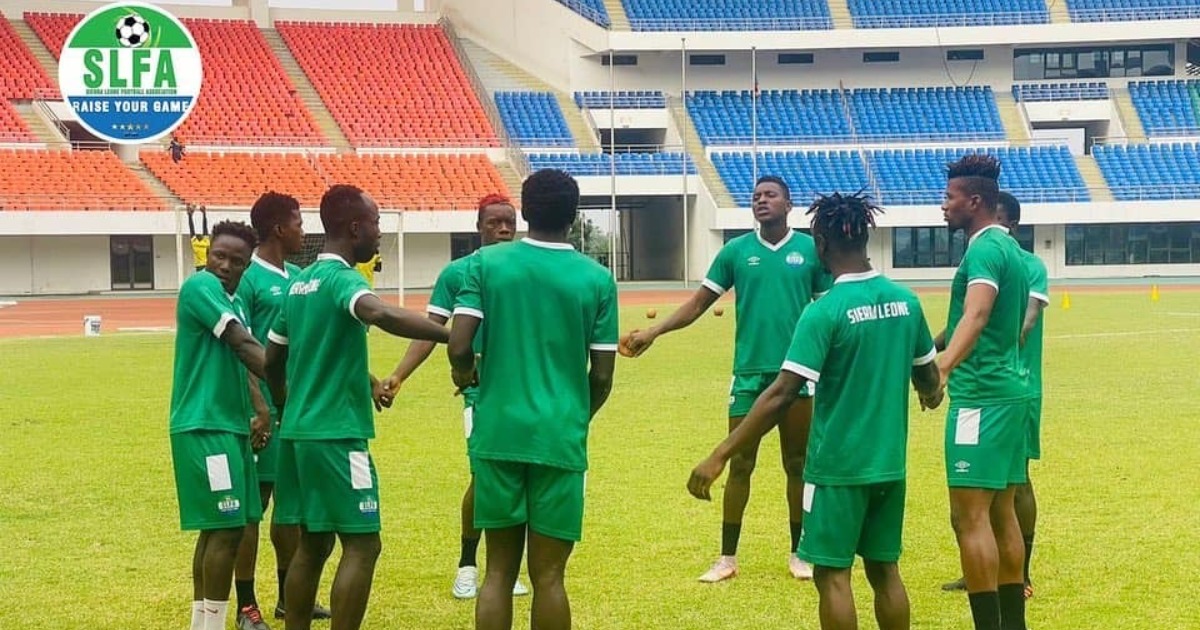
(927, 113)
(910, 14)
(247, 97)
(70, 180)
(807, 173)
(1142, 172)
(21, 77)
(898, 114)
(417, 182)
(390, 84)
(236, 179)
(591, 9)
(534, 119)
(728, 15)
(640, 99)
(1132, 10)
(1089, 91)
(1167, 108)
(626, 163)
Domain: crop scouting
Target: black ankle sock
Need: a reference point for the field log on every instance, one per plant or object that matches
(985, 609)
(730, 533)
(245, 593)
(1028, 555)
(282, 573)
(1012, 606)
(796, 530)
(470, 546)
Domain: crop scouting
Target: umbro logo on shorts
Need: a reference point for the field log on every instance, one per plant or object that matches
(962, 466)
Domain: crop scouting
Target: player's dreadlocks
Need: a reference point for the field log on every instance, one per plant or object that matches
(236, 229)
(844, 220)
(980, 173)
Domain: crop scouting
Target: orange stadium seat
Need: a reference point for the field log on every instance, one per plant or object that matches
(237, 179)
(390, 85)
(70, 180)
(247, 97)
(417, 182)
(21, 76)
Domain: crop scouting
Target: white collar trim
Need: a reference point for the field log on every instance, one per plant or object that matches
(281, 272)
(777, 246)
(546, 245)
(856, 277)
(996, 226)
(328, 256)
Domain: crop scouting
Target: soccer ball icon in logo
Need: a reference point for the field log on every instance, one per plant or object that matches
(133, 31)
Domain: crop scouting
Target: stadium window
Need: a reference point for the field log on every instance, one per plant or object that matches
(1133, 244)
(795, 58)
(706, 60)
(620, 60)
(1025, 238)
(881, 57)
(1098, 62)
(975, 54)
(926, 247)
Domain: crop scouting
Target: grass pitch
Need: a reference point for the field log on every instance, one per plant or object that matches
(89, 533)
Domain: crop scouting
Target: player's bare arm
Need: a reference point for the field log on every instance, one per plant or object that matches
(462, 357)
(247, 349)
(600, 377)
(277, 373)
(638, 341)
(400, 322)
(928, 383)
(767, 411)
(417, 353)
(379, 394)
(260, 425)
(1033, 311)
(976, 310)
(939, 342)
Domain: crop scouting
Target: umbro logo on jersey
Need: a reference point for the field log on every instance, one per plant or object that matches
(795, 259)
(304, 288)
(753, 261)
(276, 291)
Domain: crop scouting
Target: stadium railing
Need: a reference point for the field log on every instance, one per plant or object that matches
(850, 138)
(481, 93)
(587, 12)
(1035, 92)
(807, 23)
(1007, 18)
(1136, 14)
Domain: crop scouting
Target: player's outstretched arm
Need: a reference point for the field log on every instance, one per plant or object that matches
(928, 383)
(277, 356)
(638, 341)
(976, 310)
(260, 426)
(939, 342)
(204, 221)
(1033, 311)
(600, 377)
(247, 349)
(462, 357)
(397, 321)
(767, 411)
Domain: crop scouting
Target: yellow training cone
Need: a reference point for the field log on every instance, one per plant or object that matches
(1154, 293)
(1066, 304)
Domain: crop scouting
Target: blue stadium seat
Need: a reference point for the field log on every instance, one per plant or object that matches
(1045, 174)
(534, 119)
(815, 116)
(728, 15)
(926, 13)
(1064, 91)
(1132, 10)
(599, 164)
(1146, 172)
(639, 99)
(591, 9)
(1167, 108)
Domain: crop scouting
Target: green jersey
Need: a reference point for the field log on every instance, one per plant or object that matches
(1039, 289)
(262, 290)
(773, 284)
(329, 385)
(859, 344)
(546, 307)
(992, 374)
(446, 289)
(210, 389)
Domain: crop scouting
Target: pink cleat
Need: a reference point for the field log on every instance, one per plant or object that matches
(800, 569)
(724, 569)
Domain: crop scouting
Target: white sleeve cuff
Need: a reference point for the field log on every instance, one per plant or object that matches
(713, 286)
(469, 312)
(219, 329)
(603, 347)
(926, 358)
(806, 372)
(984, 281)
(277, 338)
(437, 310)
(354, 300)
(1041, 297)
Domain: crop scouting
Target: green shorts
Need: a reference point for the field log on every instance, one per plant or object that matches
(843, 521)
(267, 460)
(549, 500)
(744, 389)
(1033, 439)
(468, 427)
(985, 447)
(327, 486)
(215, 480)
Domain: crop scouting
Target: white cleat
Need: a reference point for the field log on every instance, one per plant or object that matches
(520, 589)
(466, 583)
(724, 569)
(800, 569)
